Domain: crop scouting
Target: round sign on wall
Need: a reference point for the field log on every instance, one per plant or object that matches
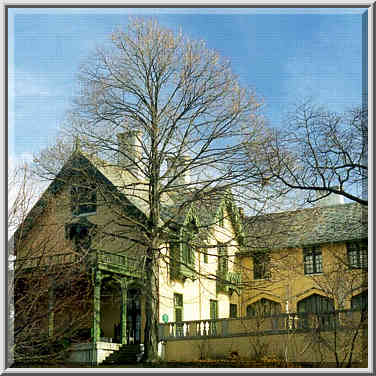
(165, 318)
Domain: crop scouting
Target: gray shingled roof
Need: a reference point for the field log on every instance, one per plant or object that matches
(174, 206)
(306, 227)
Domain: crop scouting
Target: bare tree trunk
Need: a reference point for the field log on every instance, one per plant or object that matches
(151, 308)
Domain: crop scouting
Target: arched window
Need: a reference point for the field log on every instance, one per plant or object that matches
(316, 304)
(263, 307)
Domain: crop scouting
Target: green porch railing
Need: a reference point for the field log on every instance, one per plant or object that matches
(126, 264)
(102, 258)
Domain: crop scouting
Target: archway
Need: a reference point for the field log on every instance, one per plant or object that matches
(316, 303)
(111, 303)
(263, 308)
(316, 311)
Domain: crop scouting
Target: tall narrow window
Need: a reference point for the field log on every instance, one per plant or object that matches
(178, 311)
(357, 253)
(186, 246)
(222, 259)
(312, 260)
(187, 239)
(213, 309)
(83, 200)
(261, 266)
(233, 311)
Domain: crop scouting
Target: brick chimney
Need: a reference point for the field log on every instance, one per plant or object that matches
(176, 165)
(130, 150)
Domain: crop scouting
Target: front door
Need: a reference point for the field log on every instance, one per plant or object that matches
(133, 317)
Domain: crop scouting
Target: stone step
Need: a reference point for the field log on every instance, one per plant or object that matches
(127, 354)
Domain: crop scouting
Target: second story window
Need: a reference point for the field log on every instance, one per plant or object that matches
(357, 253)
(83, 200)
(312, 260)
(222, 258)
(187, 248)
(261, 266)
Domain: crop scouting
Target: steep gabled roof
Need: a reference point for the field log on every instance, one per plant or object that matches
(175, 207)
(331, 224)
(78, 164)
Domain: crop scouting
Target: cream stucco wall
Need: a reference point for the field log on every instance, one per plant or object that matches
(198, 292)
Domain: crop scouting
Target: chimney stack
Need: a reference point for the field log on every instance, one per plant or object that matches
(130, 150)
(176, 165)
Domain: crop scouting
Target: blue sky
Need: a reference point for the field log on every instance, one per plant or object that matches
(284, 54)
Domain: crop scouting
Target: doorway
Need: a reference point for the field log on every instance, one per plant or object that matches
(133, 316)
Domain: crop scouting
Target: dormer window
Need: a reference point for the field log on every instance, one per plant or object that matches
(83, 200)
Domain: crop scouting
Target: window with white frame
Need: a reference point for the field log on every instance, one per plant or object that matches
(312, 260)
(357, 253)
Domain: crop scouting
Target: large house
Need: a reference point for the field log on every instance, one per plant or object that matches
(85, 238)
(81, 252)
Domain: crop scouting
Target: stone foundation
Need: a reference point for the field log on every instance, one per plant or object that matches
(91, 353)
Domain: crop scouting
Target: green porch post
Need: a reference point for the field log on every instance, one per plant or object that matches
(97, 306)
(124, 285)
(51, 305)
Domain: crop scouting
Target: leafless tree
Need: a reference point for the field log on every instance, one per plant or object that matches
(186, 112)
(316, 151)
(40, 293)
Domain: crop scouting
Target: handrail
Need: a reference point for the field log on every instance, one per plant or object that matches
(101, 256)
(283, 322)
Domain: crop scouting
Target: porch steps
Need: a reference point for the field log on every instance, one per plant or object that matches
(127, 354)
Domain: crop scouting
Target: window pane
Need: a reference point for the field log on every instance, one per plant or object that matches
(213, 309)
(308, 264)
(312, 260)
(318, 263)
(178, 300)
(263, 307)
(83, 200)
(316, 304)
(353, 259)
(233, 310)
